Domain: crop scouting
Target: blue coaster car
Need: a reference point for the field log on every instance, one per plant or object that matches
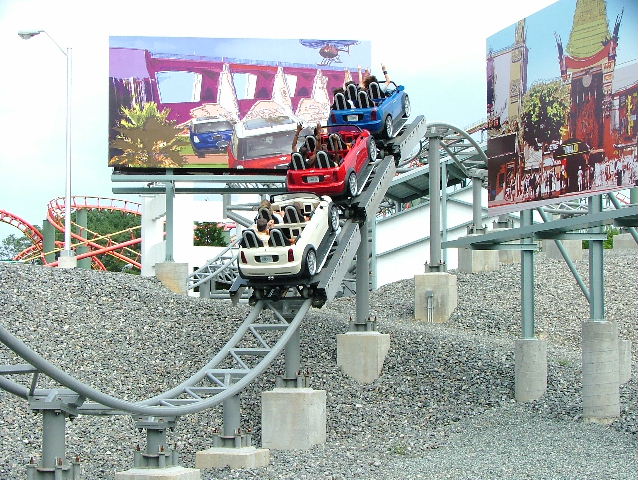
(382, 114)
(210, 135)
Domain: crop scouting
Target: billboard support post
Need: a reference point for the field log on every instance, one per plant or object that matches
(435, 264)
(596, 285)
(444, 210)
(170, 197)
(527, 281)
(477, 187)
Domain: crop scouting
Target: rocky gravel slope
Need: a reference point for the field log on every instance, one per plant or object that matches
(443, 407)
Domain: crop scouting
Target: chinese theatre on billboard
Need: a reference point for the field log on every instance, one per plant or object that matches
(220, 102)
(562, 100)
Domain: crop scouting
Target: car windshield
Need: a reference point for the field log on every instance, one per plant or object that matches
(266, 145)
(212, 127)
(256, 123)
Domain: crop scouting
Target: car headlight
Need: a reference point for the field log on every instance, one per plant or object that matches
(195, 139)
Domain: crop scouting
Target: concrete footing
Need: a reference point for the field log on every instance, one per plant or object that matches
(172, 275)
(293, 418)
(168, 473)
(530, 369)
(435, 296)
(235, 458)
(361, 354)
(624, 361)
(601, 395)
(474, 261)
(625, 241)
(67, 261)
(573, 247)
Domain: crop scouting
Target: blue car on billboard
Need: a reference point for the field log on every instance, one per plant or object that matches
(210, 135)
(382, 114)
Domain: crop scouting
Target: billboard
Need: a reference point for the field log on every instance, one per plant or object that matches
(562, 101)
(220, 103)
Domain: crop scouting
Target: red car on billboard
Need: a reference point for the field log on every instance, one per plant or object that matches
(262, 142)
(338, 168)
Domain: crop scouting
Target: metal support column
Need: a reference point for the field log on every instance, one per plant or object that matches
(435, 264)
(444, 210)
(157, 453)
(633, 195)
(49, 240)
(292, 357)
(232, 417)
(527, 282)
(170, 196)
(477, 187)
(53, 438)
(362, 320)
(596, 282)
(81, 218)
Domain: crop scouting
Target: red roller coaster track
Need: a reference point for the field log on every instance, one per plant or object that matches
(55, 216)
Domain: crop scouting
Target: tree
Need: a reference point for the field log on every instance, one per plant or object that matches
(12, 245)
(105, 222)
(147, 138)
(208, 234)
(545, 109)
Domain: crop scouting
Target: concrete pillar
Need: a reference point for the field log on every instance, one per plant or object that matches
(530, 369)
(172, 275)
(474, 261)
(361, 354)
(167, 473)
(601, 396)
(435, 296)
(574, 249)
(625, 241)
(235, 458)
(624, 361)
(67, 261)
(293, 418)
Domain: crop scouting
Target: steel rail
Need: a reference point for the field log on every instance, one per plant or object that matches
(146, 407)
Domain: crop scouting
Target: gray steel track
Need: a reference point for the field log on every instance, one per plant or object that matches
(206, 388)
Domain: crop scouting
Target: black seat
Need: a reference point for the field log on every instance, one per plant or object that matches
(249, 239)
(375, 91)
(297, 161)
(311, 143)
(278, 238)
(291, 215)
(364, 100)
(335, 142)
(263, 212)
(352, 94)
(323, 161)
(340, 102)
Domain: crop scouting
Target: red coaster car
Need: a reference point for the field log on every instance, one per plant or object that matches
(340, 160)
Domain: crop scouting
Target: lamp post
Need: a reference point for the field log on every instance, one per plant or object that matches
(67, 257)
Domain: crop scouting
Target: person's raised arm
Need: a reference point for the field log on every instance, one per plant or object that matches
(296, 137)
(385, 74)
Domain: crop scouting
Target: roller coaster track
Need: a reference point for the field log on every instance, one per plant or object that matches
(55, 215)
(247, 354)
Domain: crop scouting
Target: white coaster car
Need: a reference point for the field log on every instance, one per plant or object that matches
(313, 231)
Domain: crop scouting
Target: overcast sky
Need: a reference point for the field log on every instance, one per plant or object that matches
(435, 49)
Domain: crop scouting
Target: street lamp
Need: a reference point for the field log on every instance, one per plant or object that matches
(67, 257)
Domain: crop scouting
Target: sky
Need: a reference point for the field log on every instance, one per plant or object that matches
(557, 18)
(435, 49)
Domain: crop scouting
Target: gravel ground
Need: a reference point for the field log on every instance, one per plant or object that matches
(443, 408)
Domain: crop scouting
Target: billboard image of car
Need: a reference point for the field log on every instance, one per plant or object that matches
(178, 102)
(562, 104)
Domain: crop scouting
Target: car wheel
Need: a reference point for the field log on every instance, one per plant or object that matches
(311, 263)
(334, 218)
(200, 154)
(387, 127)
(406, 107)
(372, 150)
(352, 188)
